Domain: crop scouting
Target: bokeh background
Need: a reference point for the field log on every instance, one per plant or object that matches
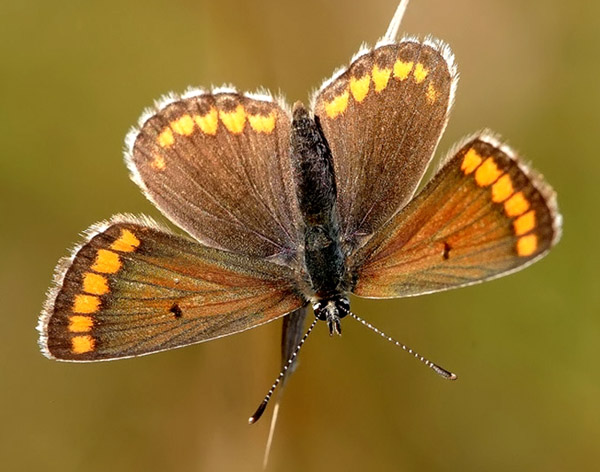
(74, 76)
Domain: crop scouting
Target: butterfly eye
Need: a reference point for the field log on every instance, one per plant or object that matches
(320, 310)
(343, 306)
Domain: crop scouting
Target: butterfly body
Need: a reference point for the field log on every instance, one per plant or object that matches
(316, 191)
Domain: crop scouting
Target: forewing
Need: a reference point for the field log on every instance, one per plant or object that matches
(133, 289)
(217, 164)
(483, 215)
(383, 118)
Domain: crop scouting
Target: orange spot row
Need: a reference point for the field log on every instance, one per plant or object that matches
(359, 87)
(94, 285)
(107, 261)
(515, 204)
(234, 121)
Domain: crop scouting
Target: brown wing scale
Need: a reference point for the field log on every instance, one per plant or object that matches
(133, 289)
(483, 215)
(217, 164)
(383, 118)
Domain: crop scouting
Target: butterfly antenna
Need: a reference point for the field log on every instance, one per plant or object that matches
(436, 368)
(391, 35)
(261, 408)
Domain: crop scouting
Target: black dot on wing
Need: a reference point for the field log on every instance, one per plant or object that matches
(447, 249)
(176, 310)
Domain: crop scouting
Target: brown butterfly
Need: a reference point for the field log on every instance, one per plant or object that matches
(290, 208)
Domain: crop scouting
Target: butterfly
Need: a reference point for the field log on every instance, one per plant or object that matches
(287, 208)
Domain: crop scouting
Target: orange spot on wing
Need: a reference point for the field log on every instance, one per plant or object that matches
(208, 123)
(127, 242)
(234, 120)
(95, 284)
(402, 69)
(420, 73)
(106, 262)
(338, 105)
(471, 161)
(516, 205)
(82, 344)
(166, 138)
(431, 93)
(502, 189)
(527, 245)
(183, 125)
(262, 124)
(487, 172)
(380, 77)
(524, 223)
(80, 324)
(360, 87)
(86, 304)
(159, 162)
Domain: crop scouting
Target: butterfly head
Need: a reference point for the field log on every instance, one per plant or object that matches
(332, 310)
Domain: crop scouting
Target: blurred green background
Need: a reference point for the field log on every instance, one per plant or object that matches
(74, 76)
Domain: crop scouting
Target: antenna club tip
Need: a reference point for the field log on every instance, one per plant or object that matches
(259, 411)
(452, 376)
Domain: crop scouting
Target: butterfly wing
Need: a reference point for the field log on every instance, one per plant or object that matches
(291, 335)
(134, 288)
(217, 164)
(483, 215)
(383, 118)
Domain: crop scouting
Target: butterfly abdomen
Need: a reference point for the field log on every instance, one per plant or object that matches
(316, 192)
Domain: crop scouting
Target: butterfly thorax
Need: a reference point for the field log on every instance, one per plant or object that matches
(316, 192)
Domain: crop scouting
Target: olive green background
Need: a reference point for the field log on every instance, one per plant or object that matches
(74, 76)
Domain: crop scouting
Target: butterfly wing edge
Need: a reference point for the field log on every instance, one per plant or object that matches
(437, 44)
(65, 262)
(541, 184)
(261, 94)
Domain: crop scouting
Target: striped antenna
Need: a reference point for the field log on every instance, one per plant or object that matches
(261, 408)
(436, 368)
